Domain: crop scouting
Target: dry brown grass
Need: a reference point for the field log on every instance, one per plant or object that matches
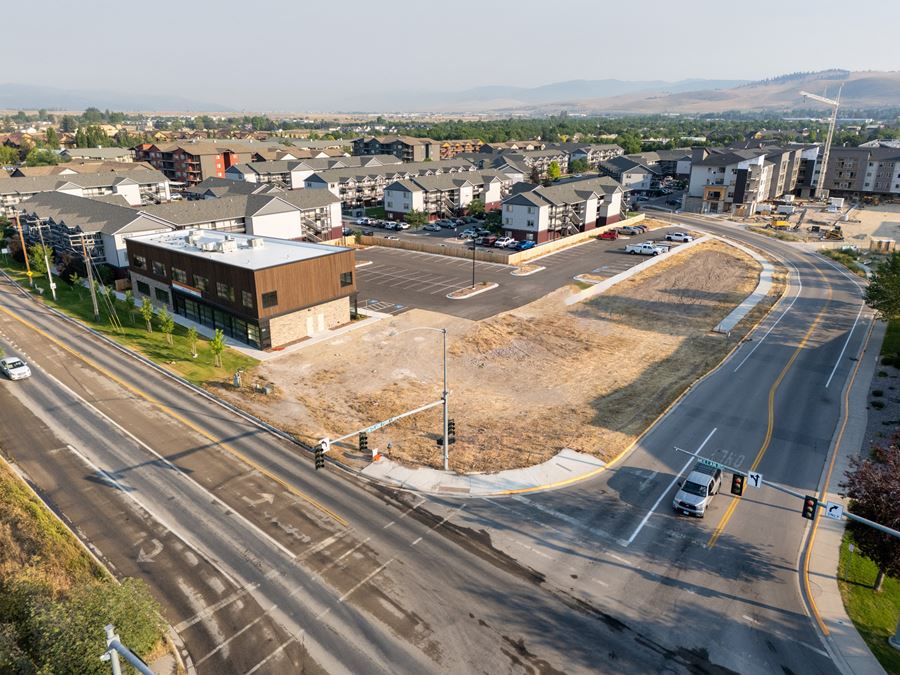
(529, 382)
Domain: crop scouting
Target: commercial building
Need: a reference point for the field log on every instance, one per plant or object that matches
(261, 291)
(136, 186)
(407, 148)
(546, 213)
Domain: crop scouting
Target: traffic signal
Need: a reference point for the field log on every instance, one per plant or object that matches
(364, 442)
(737, 483)
(320, 457)
(809, 507)
(451, 431)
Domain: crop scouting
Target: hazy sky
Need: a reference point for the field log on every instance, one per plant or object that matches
(301, 54)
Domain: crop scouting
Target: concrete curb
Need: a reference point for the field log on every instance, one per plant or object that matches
(766, 275)
(517, 273)
(491, 286)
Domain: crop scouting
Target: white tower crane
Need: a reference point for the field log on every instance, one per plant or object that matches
(820, 182)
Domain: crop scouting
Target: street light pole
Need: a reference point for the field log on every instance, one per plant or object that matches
(446, 411)
(47, 263)
(473, 263)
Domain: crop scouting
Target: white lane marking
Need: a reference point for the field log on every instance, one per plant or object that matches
(209, 610)
(240, 632)
(368, 578)
(646, 482)
(325, 543)
(670, 486)
(388, 525)
(565, 517)
(271, 656)
(841, 269)
(846, 342)
(777, 321)
(416, 541)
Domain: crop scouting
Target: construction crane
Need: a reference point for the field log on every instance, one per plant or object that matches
(834, 104)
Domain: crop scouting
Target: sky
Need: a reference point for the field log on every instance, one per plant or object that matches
(304, 55)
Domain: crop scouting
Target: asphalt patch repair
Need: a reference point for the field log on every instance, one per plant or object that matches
(525, 383)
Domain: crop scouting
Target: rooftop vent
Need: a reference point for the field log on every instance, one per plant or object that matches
(256, 242)
(208, 246)
(227, 246)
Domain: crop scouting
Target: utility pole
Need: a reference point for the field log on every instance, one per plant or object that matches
(825, 151)
(90, 277)
(47, 264)
(474, 246)
(24, 251)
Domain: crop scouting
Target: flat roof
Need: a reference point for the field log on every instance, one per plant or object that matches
(239, 251)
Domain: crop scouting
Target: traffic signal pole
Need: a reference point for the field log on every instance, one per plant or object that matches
(781, 488)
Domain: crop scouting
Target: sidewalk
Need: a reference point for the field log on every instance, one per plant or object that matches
(847, 648)
(568, 466)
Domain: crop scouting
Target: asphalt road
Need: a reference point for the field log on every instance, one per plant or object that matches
(265, 565)
(601, 577)
(726, 586)
(394, 280)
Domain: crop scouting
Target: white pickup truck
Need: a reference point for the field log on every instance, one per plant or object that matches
(646, 248)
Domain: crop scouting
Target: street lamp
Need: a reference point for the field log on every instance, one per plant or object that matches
(446, 392)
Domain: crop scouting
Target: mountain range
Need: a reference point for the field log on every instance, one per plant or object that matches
(31, 97)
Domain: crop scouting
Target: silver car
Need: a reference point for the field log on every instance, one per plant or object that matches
(14, 368)
(696, 491)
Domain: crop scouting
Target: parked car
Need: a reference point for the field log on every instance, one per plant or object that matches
(673, 202)
(346, 231)
(640, 228)
(609, 234)
(679, 236)
(482, 231)
(524, 245)
(389, 225)
(513, 244)
(486, 239)
(368, 233)
(460, 221)
(400, 225)
(363, 221)
(697, 490)
(504, 242)
(629, 230)
(432, 227)
(393, 237)
(14, 368)
(443, 222)
(468, 233)
(646, 248)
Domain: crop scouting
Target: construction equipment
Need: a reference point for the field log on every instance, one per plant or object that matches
(834, 234)
(819, 193)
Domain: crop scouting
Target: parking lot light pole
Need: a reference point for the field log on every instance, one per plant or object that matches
(473, 264)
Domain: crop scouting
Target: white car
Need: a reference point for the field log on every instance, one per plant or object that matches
(14, 368)
(504, 242)
(679, 236)
(432, 227)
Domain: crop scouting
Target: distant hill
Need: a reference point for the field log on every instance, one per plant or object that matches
(26, 96)
(862, 89)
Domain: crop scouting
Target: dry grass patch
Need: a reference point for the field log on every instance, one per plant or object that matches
(529, 382)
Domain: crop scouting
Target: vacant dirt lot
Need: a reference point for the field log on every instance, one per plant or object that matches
(523, 384)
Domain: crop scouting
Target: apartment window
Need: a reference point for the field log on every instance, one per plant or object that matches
(143, 288)
(270, 299)
(247, 299)
(346, 279)
(224, 291)
(162, 296)
(530, 223)
(159, 269)
(179, 275)
(139, 261)
(201, 283)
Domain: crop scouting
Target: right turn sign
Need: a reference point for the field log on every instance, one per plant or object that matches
(833, 510)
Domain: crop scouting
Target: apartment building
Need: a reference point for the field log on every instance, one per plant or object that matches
(539, 160)
(445, 195)
(75, 167)
(592, 153)
(261, 291)
(406, 148)
(65, 220)
(124, 155)
(364, 186)
(293, 174)
(214, 188)
(675, 163)
(450, 149)
(632, 175)
(135, 186)
(564, 208)
(863, 172)
(193, 161)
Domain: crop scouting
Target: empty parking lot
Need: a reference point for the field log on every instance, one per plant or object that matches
(394, 280)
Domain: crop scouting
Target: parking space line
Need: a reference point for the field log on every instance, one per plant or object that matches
(368, 577)
(271, 655)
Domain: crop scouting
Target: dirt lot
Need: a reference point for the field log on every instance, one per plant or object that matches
(526, 383)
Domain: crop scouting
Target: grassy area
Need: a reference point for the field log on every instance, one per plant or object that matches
(891, 343)
(376, 212)
(76, 302)
(845, 258)
(54, 597)
(875, 615)
(775, 234)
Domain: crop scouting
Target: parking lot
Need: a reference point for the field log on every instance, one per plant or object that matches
(394, 280)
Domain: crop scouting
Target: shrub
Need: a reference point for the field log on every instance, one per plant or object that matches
(878, 405)
(877, 392)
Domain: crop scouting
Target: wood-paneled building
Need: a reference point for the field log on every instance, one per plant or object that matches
(262, 291)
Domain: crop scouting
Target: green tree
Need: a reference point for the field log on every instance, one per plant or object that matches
(8, 156)
(68, 124)
(128, 299)
(52, 138)
(476, 207)
(166, 323)
(217, 346)
(579, 166)
(36, 255)
(41, 157)
(42, 115)
(75, 280)
(69, 635)
(883, 293)
(871, 485)
(192, 341)
(92, 116)
(630, 142)
(553, 171)
(416, 218)
(535, 175)
(147, 313)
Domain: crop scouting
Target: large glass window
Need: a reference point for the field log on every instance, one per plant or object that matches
(201, 283)
(139, 261)
(162, 296)
(247, 299)
(143, 288)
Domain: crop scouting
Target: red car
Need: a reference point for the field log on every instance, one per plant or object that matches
(609, 234)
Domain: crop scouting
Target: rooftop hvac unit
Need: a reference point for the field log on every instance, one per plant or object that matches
(228, 245)
(208, 246)
(194, 238)
(256, 242)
